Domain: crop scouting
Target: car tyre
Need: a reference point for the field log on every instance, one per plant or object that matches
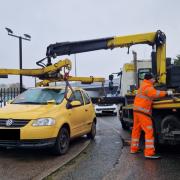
(62, 142)
(92, 133)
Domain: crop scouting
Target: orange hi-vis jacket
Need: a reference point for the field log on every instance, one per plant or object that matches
(145, 95)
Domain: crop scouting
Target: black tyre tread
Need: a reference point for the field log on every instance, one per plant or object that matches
(56, 150)
(91, 135)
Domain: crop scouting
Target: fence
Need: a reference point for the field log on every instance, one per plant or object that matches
(7, 94)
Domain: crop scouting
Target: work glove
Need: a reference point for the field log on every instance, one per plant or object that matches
(169, 92)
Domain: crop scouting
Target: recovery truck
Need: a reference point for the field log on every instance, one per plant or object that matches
(166, 111)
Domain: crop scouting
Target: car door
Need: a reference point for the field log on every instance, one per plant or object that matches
(89, 112)
(77, 114)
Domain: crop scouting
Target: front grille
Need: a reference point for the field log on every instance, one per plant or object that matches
(108, 112)
(9, 134)
(15, 123)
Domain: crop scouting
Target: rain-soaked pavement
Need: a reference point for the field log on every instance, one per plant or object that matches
(100, 156)
(106, 158)
(25, 164)
(135, 167)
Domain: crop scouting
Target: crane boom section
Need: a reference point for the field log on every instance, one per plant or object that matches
(161, 63)
(52, 73)
(83, 80)
(41, 72)
(127, 41)
(67, 48)
(155, 39)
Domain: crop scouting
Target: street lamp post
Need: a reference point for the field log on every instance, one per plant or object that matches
(26, 37)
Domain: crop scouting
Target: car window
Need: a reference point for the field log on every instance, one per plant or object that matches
(76, 96)
(39, 96)
(86, 98)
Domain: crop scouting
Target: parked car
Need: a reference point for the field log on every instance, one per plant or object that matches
(108, 109)
(41, 117)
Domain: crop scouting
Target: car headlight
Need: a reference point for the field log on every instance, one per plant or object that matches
(43, 122)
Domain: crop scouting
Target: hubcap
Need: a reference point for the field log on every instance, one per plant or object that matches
(64, 140)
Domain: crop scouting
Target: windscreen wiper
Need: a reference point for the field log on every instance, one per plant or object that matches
(30, 102)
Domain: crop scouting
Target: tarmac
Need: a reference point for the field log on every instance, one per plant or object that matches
(71, 154)
(27, 164)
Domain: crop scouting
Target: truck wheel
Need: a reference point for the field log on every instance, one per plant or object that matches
(170, 123)
(92, 133)
(62, 142)
(123, 123)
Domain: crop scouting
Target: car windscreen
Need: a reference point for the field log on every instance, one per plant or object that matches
(40, 96)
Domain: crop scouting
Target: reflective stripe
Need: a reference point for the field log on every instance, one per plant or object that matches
(135, 140)
(157, 93)
(149, 127)
(142, 109)
(135, 145)
(149, 146)
(149, 140)
(143, 97)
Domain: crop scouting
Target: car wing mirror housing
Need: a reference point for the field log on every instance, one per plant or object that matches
(52, 101)
(73, 104)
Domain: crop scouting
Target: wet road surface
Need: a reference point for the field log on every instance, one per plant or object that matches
(105, 158)
(136, 167)
(25, 164)
(100, 156)
(108, 159)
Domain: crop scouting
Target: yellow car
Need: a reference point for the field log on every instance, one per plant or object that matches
(47, 117)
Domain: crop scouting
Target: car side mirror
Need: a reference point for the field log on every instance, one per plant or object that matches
(73, 104)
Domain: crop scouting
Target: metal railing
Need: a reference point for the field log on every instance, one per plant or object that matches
(7, 94)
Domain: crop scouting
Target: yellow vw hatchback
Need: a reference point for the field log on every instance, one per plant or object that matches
(43, 117)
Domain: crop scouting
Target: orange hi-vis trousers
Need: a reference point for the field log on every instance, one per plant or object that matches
(142, 122)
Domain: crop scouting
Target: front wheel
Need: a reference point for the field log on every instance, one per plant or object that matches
(123, 123)
(92, 133)
(62, 142)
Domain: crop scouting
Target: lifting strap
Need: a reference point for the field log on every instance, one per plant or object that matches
(65, 78)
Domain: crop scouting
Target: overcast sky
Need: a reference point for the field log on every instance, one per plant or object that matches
(50, 21)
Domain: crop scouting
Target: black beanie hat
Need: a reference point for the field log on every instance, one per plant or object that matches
(148, 76)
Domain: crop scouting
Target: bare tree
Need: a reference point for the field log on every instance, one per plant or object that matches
(177, 60)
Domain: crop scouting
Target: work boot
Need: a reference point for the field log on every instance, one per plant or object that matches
(153, 157)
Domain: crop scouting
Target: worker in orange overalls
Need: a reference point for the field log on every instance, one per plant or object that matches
(142, 115)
